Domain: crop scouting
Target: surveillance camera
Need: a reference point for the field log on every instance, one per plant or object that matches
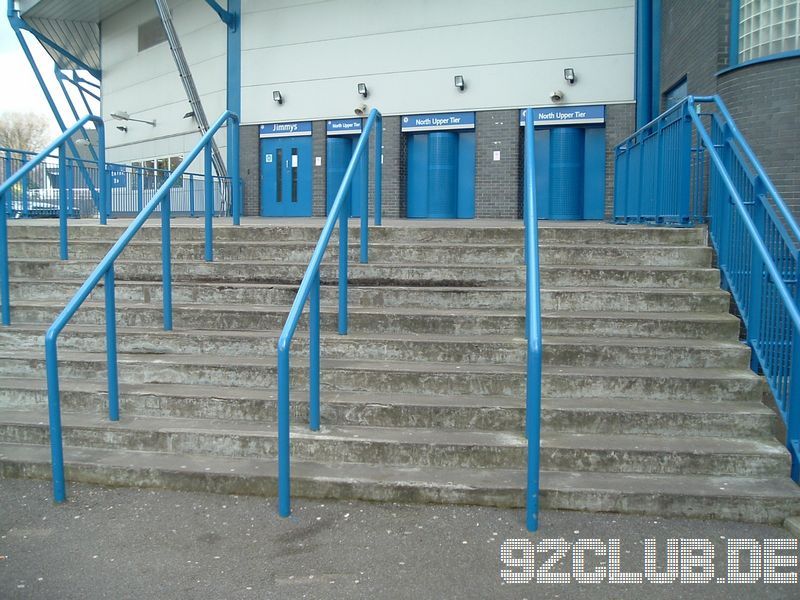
(557, 96)
(361, 110)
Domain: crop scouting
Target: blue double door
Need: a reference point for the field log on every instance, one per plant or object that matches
(339, 152)
(441, 175)
(286, 177)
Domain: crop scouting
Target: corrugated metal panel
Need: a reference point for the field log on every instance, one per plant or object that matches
(89, 11)
(80, 38)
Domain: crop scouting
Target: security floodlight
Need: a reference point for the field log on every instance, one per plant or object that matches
(276, 97)
(362, 90)
(458, 80)
(122, 115)
(569, 75)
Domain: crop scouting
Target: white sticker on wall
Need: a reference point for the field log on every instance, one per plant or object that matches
(294, 160)
(318, 161)
(496, 155)
(268, 158)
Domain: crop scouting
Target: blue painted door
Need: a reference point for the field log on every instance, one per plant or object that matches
(570, 172)
(441, 175)
(340, 151)
(286, 177)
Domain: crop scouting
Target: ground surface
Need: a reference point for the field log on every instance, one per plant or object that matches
(132, 543)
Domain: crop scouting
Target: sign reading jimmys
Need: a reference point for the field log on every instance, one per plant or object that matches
(461, 120)
(268, 130)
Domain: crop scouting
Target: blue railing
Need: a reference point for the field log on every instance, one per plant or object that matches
(130, 188)
(8, 185)
(105, 271)
(754, 233)
(309, 292)
(533, 328)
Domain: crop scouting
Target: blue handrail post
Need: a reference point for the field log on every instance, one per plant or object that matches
(191, 195)
(5, 297)
(111, 345)
(533, 326)
(233, 161)
(756, 276)
(140, 190)
(166, 262)
(54, 410)
(284, 481)
(208, 183)
(313, 349)
(792, 406)
(343, 246)
(378, 171)
(62, 202)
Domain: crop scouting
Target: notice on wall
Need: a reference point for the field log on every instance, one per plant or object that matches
(318, 161)
(440, 121)
(496, 155)
(565, 115)
(268, 158)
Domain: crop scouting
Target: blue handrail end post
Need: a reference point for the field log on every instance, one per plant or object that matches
(54, 410)
(314, 352)
(233, 160)
(5, 296)
(343, 248)
(378, 172)
(209, 204)
(191, 195)
(62, 203)
(284, 479)
(111, 345)
(166, 263)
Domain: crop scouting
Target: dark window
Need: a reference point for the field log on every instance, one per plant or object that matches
(151, 33)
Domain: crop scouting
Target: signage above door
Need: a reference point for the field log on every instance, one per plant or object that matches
(271, 130)
(439, 121)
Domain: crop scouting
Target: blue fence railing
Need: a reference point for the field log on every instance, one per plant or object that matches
(754, 233)
(7, 187)
(38, 193)
(533, 327)
(105, 272)
(309, 292)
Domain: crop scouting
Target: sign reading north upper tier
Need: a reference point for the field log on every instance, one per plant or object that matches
(270, 130)
(343, 126)
(565, 115)
(439, 121)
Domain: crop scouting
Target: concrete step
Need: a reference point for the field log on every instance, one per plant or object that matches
(598, 415)
(496, 298)
(381, 274)
(458, 449)
(763, 500)
(442, 252)
(413, 233)
(483, 349)
(717, 327)
(402, 377)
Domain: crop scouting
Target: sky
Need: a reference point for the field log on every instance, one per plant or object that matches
(20, 91)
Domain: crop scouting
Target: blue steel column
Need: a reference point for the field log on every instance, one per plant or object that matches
(62, 202)
(733, 40)
(644, 62)
(234, 102)
(655, 58)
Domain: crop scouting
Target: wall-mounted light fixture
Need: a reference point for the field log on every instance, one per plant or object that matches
(458, 81)
(122, 128)
(276, 97)
(362, 90)
(122, 115)
(189, 115)
(569, 75)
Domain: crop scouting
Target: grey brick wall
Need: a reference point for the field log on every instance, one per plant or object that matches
(497, 183)
(694, 42)
(763, 99)
(394, 167)
(250, 163)
(620, 123)
(318, 179)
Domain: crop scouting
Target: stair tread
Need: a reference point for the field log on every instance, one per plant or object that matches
(607, 403)
(387, 475)
(695, 445)
(392, 366)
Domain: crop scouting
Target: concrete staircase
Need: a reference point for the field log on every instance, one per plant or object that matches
(649, 405)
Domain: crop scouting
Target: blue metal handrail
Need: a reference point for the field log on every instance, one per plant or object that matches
(533, 328)
(309, 292)
(8, 184)
(753, 231)
(105, 270)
